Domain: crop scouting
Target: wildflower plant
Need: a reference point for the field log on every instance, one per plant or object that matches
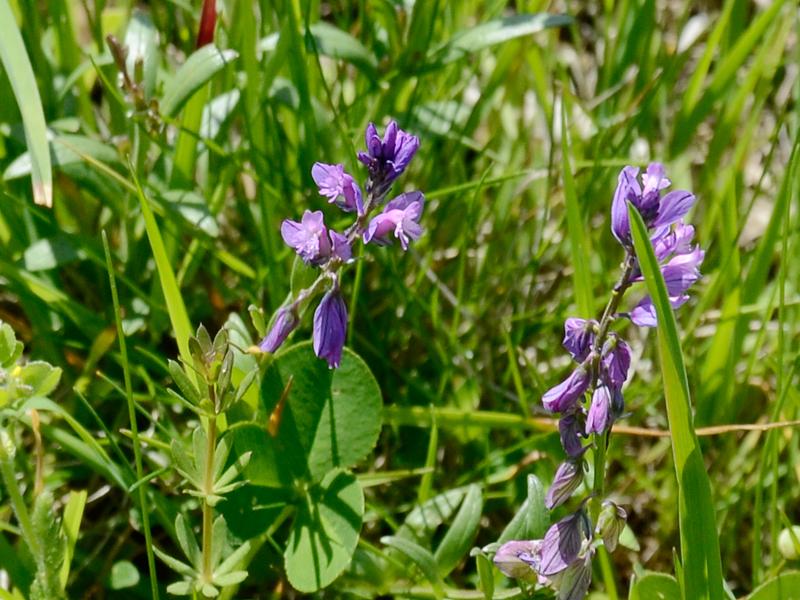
(329, 251)
(590, 399)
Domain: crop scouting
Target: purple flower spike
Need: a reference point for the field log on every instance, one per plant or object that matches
(568, 478)
(330, 327)
(285, 322)
(616, 360)
(561, 545)
(341, 248)
(309, 237)
(570, 427)
(387, 158)
(520, 559)
(564, 396)
(599, 418)
(578, 337)
(400, 216)
(338, 187)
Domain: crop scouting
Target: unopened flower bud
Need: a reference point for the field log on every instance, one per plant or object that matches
(610, 524)
(567, 479)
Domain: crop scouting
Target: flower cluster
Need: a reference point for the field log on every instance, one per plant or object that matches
(562, 558)
(385, 158)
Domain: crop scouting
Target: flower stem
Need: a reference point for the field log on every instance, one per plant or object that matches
(600, 440)
(208, 489)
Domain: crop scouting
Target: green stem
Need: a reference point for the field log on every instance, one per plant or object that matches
(137, 453)
(208, 489)
(17, 501)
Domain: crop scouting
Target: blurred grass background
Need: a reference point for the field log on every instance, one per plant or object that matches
(469, 320)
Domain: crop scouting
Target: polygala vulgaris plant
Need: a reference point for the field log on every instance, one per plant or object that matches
(385, 158)
(590, 399)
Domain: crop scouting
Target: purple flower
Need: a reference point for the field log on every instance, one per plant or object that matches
(561, 545)
(615, 361)
(569, 427)
(387, 158)
(573, 582)
(309, 237)
(520, 559)
(338, 186)
(340, 246)
(330, 327)
(600, 416)
(568, 478)
(400, 216)
(285, 322)
(578, 337)
(563, 396)
(656, 210)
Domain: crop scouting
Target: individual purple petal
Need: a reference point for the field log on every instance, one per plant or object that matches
(563, 396)
(682, 271)
(338, 186)
(567, 479)
(673, 240)
(627, 190)
(340, 247)
(286, 321)
(561, 545)
(519, 559)
(616, 360)
(673, 206)
(373, 140)
(578, 337)
(309, 237)
(644, 314)
(599, 418)
(330, 327)
(654, 179)
(569, 428)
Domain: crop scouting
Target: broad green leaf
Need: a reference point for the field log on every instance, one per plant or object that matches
(331, 418)
(14, 58)
(655, 586)
(49, 253)
(8, 345)
(124, 574)
(532, 519)
(418, 555)
(335, 43)
(459, 537)
(141, 40)
(66, 150)
(699, 542)
(198, 69)
(421, 522)
(193, 209)
(495, 32)
(325, 532)
(785, 586)
(42, 377)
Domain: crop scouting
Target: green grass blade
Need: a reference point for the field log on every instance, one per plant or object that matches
(169, 286)
(699, 542)
(198, 69)
(577, 232)
(20, 74)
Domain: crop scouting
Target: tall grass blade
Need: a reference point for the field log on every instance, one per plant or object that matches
(23, 83)
(702, 568)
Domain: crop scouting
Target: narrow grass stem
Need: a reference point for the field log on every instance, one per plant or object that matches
(137, 452)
